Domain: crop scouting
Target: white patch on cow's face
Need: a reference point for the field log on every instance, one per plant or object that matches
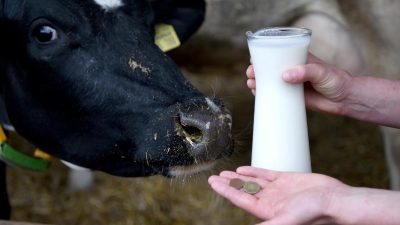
(109, 4)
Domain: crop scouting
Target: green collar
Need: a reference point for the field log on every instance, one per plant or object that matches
(13, 157)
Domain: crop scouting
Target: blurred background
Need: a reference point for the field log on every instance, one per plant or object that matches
(214, 60)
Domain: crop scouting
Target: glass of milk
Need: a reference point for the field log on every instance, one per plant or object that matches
(280, 136)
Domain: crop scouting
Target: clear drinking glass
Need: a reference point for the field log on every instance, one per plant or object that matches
(280, 135)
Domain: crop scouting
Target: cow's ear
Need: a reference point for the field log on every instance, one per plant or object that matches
(12, 9)
(185, 16)
(141, 10)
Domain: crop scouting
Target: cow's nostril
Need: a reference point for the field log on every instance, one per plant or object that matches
(205, 130)
(191, 133)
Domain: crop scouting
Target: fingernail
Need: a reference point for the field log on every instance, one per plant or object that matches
(289, 76)
(248, 71)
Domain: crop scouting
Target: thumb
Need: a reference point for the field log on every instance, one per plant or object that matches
(314, 66)
(315, 73)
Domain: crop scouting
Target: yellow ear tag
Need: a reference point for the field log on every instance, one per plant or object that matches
(3, 137)
(166, 38)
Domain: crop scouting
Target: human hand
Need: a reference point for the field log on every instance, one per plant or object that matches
(284, 198)
(327, 86)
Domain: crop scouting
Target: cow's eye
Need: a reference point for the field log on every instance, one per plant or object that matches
(45, 34)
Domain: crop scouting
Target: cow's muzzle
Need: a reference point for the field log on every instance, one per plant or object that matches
(205, 128)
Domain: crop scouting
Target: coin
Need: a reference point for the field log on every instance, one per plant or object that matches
(251, 187)
(236, 183)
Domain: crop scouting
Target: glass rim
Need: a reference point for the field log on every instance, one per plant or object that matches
(278, 32)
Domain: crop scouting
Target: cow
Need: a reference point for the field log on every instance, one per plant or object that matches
(84, 81)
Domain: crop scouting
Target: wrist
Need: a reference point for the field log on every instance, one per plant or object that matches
(373, 99)
(361, 102)
(344, 207)
(328, 209)
(364, 206)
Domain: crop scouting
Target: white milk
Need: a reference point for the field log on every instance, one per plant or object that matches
(280, 137)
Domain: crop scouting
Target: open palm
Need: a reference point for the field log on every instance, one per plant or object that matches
(285, 198)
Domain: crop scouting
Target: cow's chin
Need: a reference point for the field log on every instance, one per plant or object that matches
(177, 171)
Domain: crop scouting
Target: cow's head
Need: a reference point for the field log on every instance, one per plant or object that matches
(84, 81)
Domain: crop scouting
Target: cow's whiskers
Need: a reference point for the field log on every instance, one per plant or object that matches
(178, 171)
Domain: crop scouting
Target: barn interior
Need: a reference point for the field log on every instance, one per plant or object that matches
(349, 150)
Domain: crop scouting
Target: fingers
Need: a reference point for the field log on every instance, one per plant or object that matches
(276, 221)
(317, 102)
(316, 71)
(250, 72)
(237, 197)
(251, 83)
(268, 175)
(230, 175)
(290, 75)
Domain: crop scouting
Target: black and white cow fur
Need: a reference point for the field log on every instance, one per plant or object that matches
(84, 81)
